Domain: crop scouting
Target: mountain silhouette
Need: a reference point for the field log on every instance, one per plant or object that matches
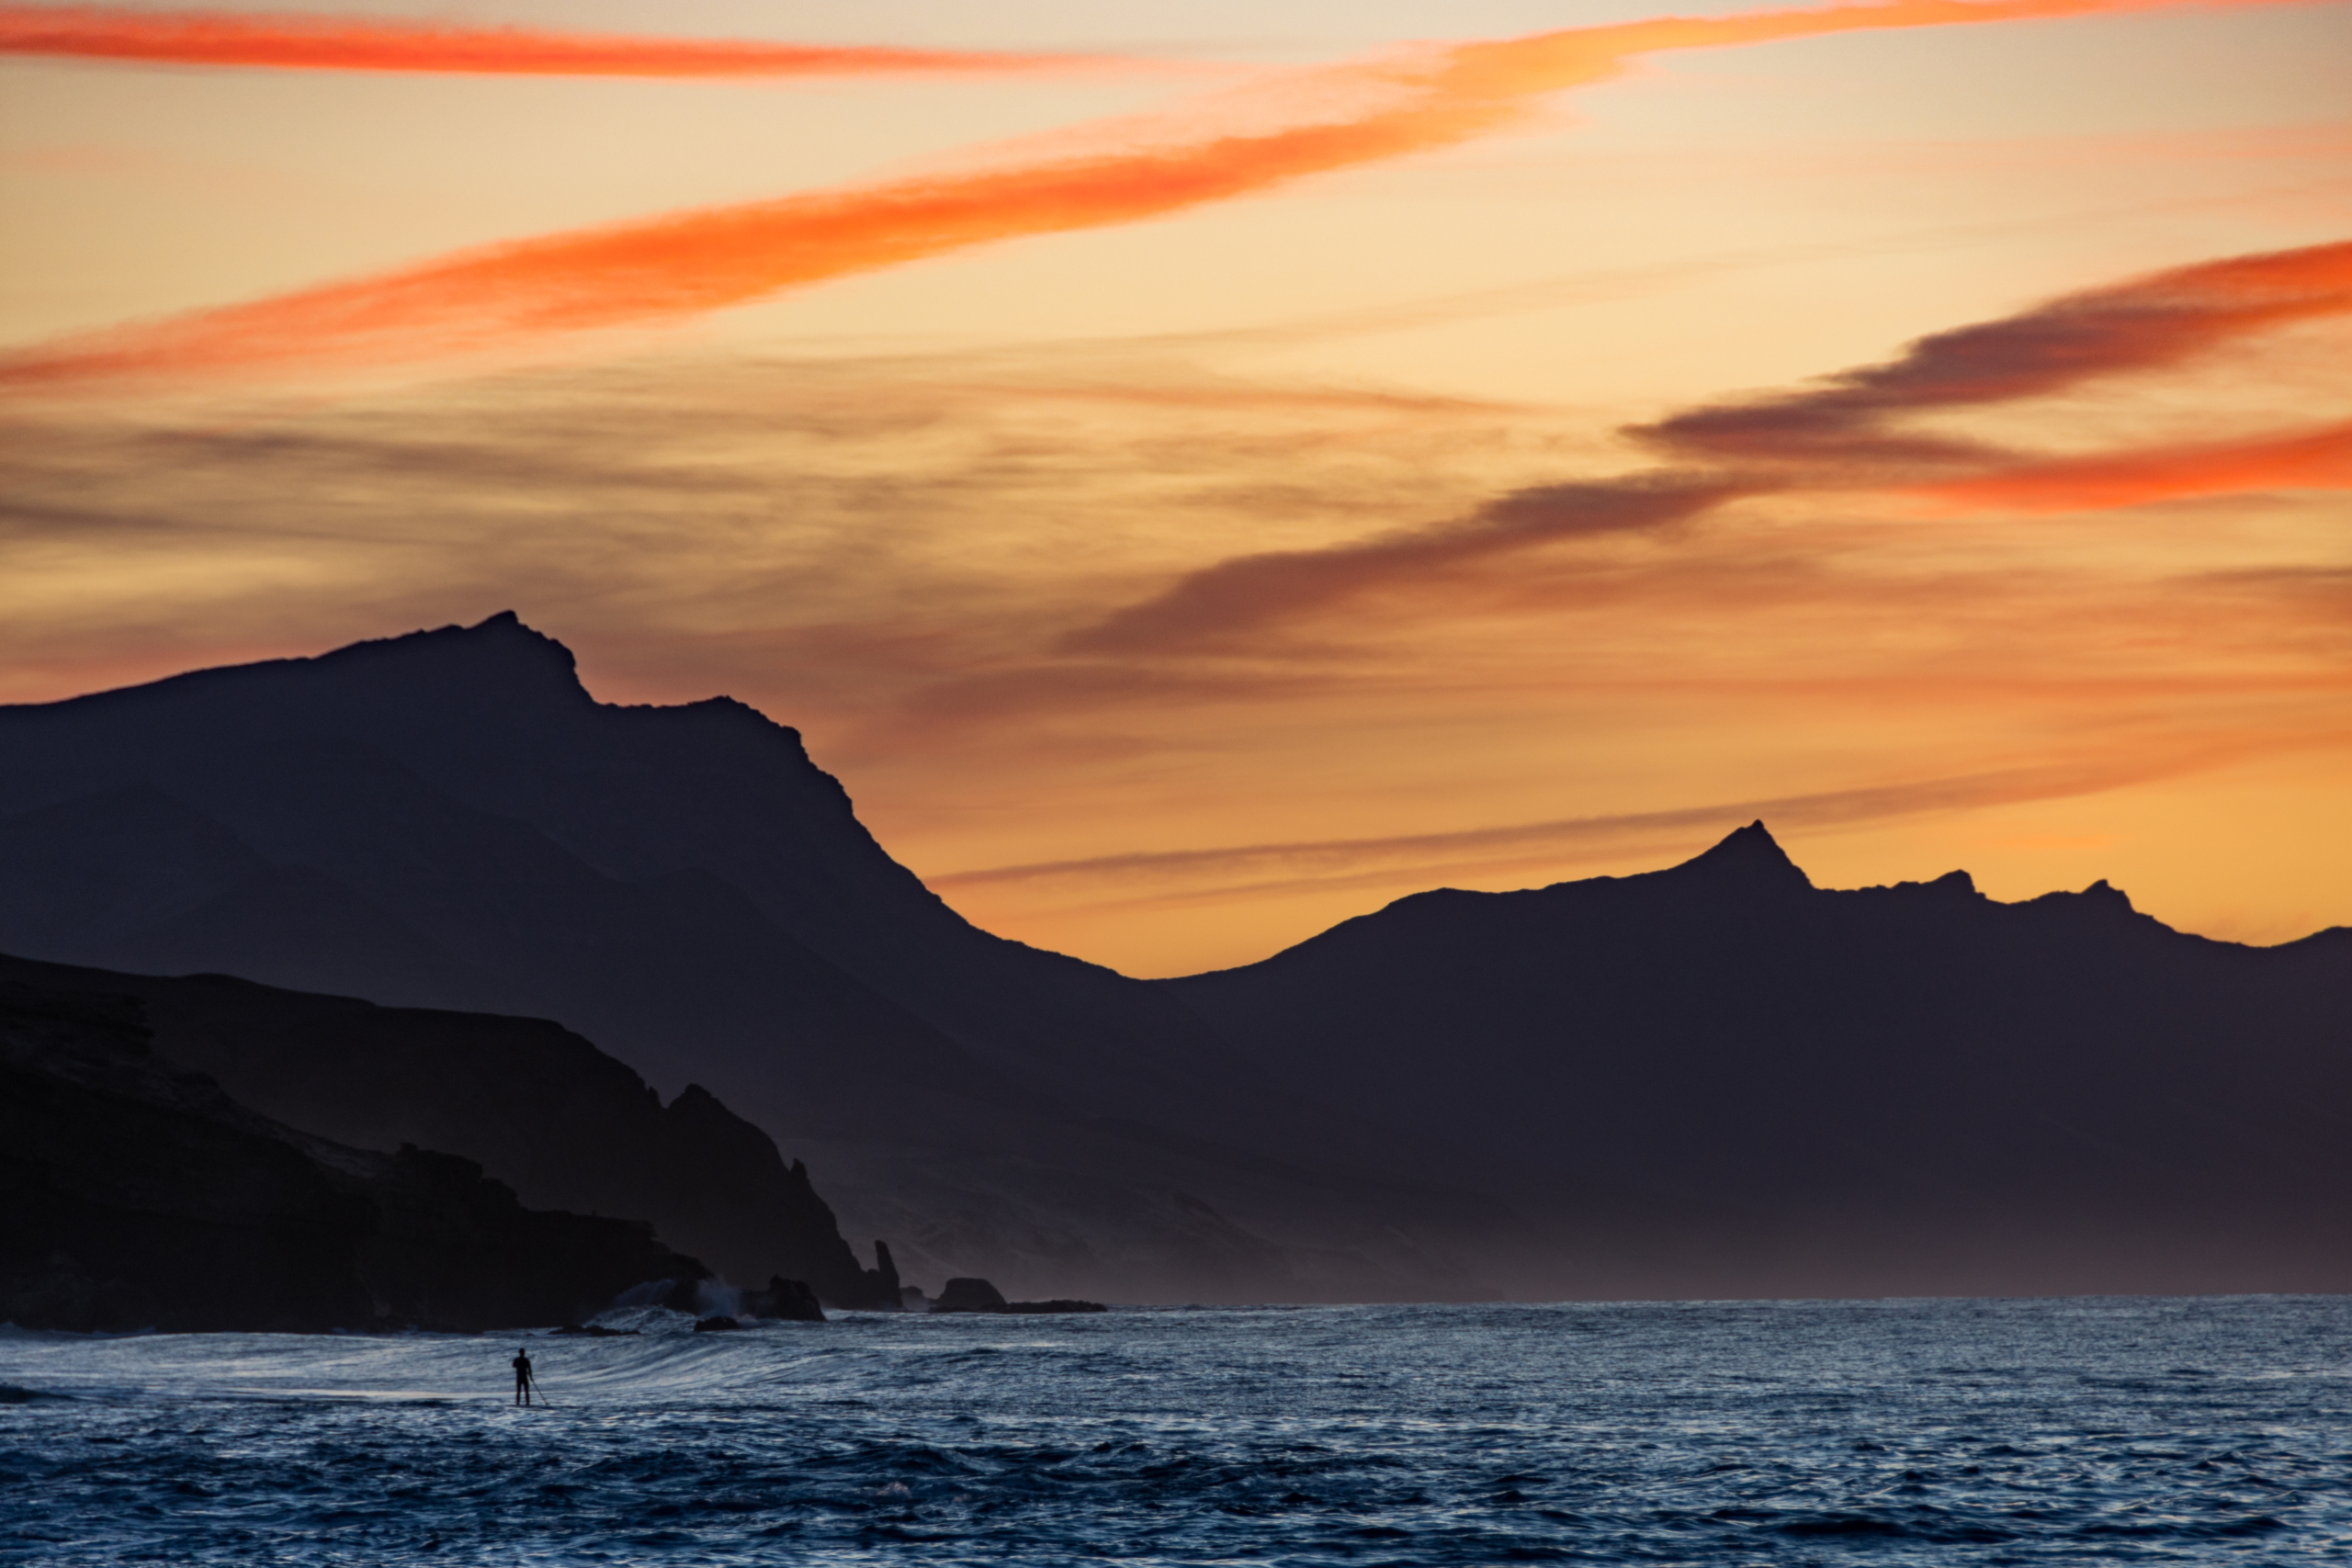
(1715, 1079)
(449, 821)
(1718, 1079)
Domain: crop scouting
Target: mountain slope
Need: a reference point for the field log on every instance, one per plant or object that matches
(1715, 1079)
(447, 819)
(1719, 1079)
(384, 764)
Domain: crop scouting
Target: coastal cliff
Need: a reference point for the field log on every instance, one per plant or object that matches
(538, 1108)
(141, 1196)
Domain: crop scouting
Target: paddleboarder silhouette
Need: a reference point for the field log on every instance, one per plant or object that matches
(522, 1376)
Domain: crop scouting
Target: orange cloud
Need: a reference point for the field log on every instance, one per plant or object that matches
(1832, 435)
(666, 269)
(2317, 459)
(1247, 592)
(298, 42)
(2147, 323)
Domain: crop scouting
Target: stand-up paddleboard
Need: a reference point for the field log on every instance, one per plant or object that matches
(527, 1376)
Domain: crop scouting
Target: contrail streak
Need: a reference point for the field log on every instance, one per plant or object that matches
(667, 268)
(293, 42)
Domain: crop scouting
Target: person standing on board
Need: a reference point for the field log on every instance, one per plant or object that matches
(522, 1376)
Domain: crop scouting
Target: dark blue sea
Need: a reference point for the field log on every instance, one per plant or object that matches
(2087, 1431)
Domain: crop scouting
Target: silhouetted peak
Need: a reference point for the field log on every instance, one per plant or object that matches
(498, 657)
(1954, 885)
(2100, 898)
(1748, 857)
(503, 637)
(2102, 892)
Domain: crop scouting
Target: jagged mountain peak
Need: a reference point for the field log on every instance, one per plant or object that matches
(504, 666)
(501, 650)
(1747, 856)
(507, 635)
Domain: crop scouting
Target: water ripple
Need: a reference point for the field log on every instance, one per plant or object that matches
(1887, 1433)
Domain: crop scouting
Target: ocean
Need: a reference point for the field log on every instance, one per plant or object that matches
(1979, 1432)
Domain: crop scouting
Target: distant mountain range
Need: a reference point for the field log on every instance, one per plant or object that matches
(1721, 1080)
(1712, 1080)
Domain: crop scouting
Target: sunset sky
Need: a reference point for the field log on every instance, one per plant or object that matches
(1199, 473)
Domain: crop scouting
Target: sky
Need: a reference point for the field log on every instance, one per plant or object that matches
(1199, 474)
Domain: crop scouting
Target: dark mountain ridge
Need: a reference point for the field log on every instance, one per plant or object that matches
(456, 738)
(449, 821)
(1718, 1076)
(1712, 1080)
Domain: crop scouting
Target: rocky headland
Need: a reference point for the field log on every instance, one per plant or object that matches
(139, 1195)
(538, 1106)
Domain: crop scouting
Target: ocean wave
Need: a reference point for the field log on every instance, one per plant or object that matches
(1770, 1433)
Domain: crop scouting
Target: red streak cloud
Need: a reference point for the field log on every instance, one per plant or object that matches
(670, 267)
(298, 42)
(2315, 459)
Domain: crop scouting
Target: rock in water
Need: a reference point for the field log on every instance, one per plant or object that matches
(881, 1281)
(969, 1295)
(978, 1295)
(1057, 1305)
(789, 1300)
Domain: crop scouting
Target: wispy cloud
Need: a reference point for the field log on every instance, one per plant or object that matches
(1208, 607)
(2146, 324)
(296, 41)
(1839, 433)
(675, 266)
(887, 523)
